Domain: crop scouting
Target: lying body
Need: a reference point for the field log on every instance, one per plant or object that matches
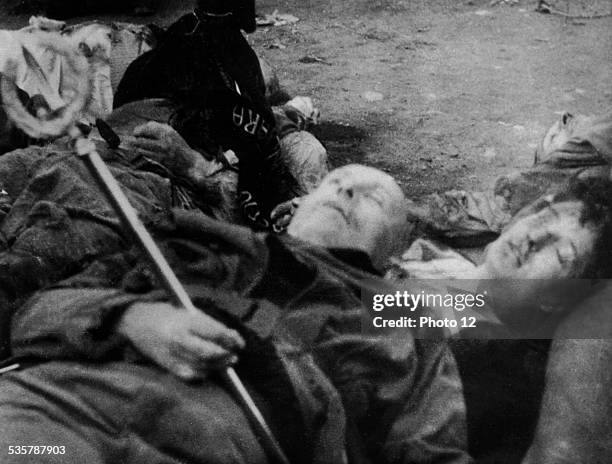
(538, 262)
(293, 306)
(54, 220)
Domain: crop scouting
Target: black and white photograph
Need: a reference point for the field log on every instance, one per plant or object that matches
(305, 232)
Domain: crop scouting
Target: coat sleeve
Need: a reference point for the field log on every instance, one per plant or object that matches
(575, 420)
(403, 396)
(76, 318)
(431, 425)
(70, 324)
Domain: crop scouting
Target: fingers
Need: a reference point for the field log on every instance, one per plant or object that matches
(207, 328)
(283, 209)
(204, 354)
(194, 358)
(189, 372)
(283, 222)
(281, 215)
(148, 144)
(198, 357)
(159, 142)
(152, 130)
(186, 344)
(280, 211)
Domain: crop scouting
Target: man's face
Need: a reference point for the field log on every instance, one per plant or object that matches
(549, 244)
(354, 207)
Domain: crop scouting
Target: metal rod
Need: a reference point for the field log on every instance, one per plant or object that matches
(129, 216)
(65, 122)
(10, 368)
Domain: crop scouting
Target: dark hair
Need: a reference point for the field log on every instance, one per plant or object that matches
(243, 11)
(596, 196)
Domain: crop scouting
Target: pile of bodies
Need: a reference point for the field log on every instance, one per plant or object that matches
(276, 252)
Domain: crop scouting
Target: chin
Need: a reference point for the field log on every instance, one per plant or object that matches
(322, 233)
(495, 269)
(501, 265)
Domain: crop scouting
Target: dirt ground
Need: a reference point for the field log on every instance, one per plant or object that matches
(441, 94)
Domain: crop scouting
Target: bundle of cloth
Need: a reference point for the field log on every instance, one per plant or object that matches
(40, 60)
(53, 218)
(218, 96)
(40, 70)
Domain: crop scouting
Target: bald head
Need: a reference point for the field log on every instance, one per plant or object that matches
(354, 207)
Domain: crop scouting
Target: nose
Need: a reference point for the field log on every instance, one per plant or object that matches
(348, 191)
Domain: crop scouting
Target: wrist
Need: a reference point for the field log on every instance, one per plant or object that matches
(128, 320)
(184, 164)
(201, 169)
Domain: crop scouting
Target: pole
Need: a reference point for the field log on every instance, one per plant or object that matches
(63, 121)
(85, 148)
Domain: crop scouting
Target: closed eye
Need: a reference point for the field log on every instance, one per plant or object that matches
(376, 199)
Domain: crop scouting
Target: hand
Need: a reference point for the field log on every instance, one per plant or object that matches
(281, 215)
(188, 345)
(305, 106)
(163, 144)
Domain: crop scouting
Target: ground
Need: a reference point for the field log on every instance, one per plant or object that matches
(441, 94)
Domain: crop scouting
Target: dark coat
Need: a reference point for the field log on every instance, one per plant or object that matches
(299, 309)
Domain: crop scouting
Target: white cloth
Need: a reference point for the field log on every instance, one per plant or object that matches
(40, 70)
(427, 260)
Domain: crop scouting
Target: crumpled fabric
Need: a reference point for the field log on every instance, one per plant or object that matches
(389, 385)
(469, 219)
(59, 220)
(205, 66)
(49, 192)
(54, 220)
(305, 157)
(575, 421)
(428, 260)
(578, 141)
(42, 71)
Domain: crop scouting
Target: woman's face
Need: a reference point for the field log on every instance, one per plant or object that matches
(551, 243)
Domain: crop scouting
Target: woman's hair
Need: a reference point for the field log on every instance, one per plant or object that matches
(596, 196)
